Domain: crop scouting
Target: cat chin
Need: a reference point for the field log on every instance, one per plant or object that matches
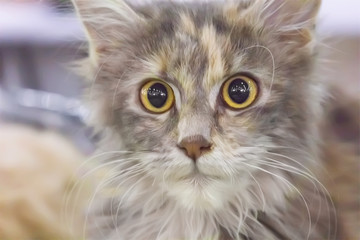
(200, 193)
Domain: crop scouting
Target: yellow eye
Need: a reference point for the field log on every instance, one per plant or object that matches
(157, 96)
(239, 92)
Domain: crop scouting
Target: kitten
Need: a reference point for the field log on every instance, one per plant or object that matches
(210, 113)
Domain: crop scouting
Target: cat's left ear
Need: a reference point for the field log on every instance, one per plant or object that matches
(294, 20)
(107, 23)
(288, 14)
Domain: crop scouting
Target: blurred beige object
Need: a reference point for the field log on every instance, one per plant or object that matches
(40, 194)
(341, 153)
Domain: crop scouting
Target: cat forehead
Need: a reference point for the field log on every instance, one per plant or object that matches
(197, 47)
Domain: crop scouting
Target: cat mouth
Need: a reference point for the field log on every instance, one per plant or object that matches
(198, 176)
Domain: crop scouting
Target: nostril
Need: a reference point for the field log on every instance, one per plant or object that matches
(182, 148)
(185, 150)
(206, 148)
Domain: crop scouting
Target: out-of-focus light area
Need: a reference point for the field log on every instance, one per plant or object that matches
(38, 41)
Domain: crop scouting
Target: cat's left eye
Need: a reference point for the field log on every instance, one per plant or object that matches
(239, 92)
(157, 96)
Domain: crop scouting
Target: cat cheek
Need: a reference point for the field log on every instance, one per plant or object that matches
(231, 123)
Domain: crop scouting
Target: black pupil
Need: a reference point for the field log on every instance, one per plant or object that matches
(157, 95)
(239, 91)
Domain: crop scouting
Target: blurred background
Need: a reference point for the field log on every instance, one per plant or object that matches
(38, 41)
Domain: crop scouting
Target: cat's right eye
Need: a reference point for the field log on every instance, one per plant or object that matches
(157, 96)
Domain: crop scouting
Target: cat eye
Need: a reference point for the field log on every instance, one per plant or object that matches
(239, 92)
(157, 96)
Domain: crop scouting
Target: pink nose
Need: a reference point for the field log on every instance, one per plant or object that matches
(195, 146)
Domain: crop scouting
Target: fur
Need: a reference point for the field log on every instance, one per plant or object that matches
(260, 180)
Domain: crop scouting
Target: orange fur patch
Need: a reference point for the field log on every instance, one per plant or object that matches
(215, 71)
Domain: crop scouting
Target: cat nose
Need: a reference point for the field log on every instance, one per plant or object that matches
(195, 146)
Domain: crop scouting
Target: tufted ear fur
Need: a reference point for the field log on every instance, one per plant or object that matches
(108, 25)
(293, 21)
(290, 14)
(105, 22)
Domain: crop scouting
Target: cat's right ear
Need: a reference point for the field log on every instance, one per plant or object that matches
(107, 23)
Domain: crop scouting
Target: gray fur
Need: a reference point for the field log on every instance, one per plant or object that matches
(260, 179)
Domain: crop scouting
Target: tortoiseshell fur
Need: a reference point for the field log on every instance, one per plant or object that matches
(260, 180)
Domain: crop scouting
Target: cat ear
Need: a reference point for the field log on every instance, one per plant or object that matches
(106, 22)
(293, 20)
(290, 14)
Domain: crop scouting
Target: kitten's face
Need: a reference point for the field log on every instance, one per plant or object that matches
(196, 50)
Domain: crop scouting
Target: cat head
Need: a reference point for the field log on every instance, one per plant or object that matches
(204, 94)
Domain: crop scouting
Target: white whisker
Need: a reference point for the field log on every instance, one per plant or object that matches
(289, 184)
